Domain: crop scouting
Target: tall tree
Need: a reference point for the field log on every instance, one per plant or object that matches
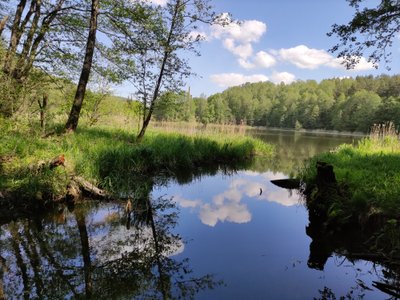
(73, 118)
(371, 31)
(161, 42)
(30, 27)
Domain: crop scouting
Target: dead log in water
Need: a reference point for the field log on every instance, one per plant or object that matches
(290, 183)
(80, 186)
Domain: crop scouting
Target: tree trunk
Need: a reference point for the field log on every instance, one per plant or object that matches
(16, 32)
(73, 118)
(87, 266)
(144, 126)
(156, 92)
(43, 107)
(3, 24)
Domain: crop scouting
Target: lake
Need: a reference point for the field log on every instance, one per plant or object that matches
(226, 234)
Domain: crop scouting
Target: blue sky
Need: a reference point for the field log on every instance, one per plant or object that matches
(278, 40)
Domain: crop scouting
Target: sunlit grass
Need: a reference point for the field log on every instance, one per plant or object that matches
(370, 171)
(104, 154)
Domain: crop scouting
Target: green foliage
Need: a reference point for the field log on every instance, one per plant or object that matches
(369, 171)
(107, 155)
(370, 31)
(334, 104)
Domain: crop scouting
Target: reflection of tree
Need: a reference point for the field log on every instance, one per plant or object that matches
(293, 148)
(3, 269)
(87, 266)
(355, 244)
(84, 257)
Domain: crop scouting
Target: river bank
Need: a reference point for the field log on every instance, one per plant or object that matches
(106, 157)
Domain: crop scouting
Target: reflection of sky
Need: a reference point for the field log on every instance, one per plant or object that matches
(116, 242)
(222, 198)
(256, 243)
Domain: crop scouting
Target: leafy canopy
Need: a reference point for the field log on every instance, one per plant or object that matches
(371, 32)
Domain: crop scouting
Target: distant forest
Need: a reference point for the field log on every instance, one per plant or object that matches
(348, 104)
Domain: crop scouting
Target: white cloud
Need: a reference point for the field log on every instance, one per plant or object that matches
(245, 32)
(232, 212)
(261, 60)
(241, 50)
(284, 77)
(159, 2)
(309, 58)
(154, 2)
(305, 58)
(186, 203)
(237, 37)
(233, 79)
(264, 60)
(200, 35)
(246, 64)
(229, 206)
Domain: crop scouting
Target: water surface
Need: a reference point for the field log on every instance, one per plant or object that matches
(228, 235)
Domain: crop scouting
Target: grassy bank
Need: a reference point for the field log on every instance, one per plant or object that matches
(368, 175)
(105, 155)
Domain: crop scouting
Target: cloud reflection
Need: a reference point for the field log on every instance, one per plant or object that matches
(228, 205)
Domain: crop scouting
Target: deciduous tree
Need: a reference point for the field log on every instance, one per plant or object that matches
(371, 31)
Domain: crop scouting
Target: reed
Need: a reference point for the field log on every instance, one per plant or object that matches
(106, 155)
(368, 171)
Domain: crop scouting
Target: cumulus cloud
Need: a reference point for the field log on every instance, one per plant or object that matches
(309, 58)
(362, 65)
(264, 60)
(237, 37)
(285, 77)
(241, 50)
(248, 31)
(198, 35)
(186, 203)
(154, 2)
(232, 212)
(233, 79)
(305, 58)
(228, 205)
(261, 60)
(159, 2)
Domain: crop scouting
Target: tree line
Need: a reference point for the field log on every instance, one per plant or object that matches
(142, 42)
(136, 41)
(344, 104)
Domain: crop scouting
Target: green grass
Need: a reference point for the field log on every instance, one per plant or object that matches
(370, 173)
(107, 155)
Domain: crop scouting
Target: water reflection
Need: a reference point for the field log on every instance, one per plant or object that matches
(227, 200)
(245, 230)
(353, 245)
(89, 253)
(293, 148)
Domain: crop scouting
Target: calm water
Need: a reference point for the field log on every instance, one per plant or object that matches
(230, 235)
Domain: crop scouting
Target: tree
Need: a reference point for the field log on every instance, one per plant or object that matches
(113, 27)
(73, 118)
(29, 25)
(371, 31)
(159, 65)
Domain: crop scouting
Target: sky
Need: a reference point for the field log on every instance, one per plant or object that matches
(277, 41)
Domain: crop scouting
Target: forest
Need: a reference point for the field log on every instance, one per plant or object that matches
(342, 104)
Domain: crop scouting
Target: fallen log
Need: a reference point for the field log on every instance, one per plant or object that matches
(80, 186)
(291, 184)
